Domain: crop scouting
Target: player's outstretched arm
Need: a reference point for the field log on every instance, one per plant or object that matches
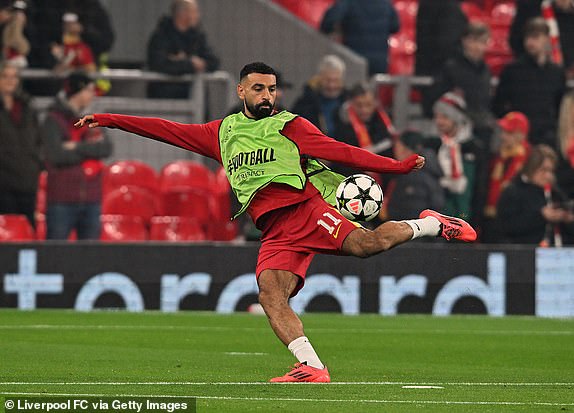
(198, 138)
(311, 141)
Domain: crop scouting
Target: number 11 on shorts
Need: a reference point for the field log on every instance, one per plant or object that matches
(336, 222)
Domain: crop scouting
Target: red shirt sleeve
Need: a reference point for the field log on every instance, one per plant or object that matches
(86, 55)
(199, 138)
(312, 142)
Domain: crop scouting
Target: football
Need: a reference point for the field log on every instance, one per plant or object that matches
(359, 198)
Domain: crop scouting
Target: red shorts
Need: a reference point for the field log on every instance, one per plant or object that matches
(294, 234)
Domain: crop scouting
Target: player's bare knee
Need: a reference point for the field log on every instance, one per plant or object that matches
(272, 296)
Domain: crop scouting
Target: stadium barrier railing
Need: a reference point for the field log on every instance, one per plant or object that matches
(199, 83)
(402, 88)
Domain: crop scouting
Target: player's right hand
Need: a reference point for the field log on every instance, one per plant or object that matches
(89, 120)
(412, 163)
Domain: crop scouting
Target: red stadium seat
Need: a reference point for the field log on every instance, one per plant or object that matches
(183, 175)
(473, 11)
(123, 228)
(310, 11)
(41, 193)
(15, 227)
(498, 53)
(186, 190)
(502, 14)
(131, 173)
(313, 11)
(171, 228)
(407, 11)
(41, 228)
(402, 50)
(132, 201)
(191, 203)
(222, 196)
(223, 230)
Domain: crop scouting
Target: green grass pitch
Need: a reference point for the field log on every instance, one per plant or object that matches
(479, 364)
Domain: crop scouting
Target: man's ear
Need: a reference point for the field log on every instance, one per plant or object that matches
(240, 91)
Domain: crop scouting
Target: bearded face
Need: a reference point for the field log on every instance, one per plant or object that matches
(260, 110)
(258, 92)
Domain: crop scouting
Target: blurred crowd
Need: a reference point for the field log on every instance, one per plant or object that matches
(499, 154)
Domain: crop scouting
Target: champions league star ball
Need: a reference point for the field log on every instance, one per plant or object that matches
(359, 198)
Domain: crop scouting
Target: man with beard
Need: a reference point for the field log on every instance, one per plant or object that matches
(266, 156)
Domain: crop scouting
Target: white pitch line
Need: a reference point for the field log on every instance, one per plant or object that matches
(287, 399)
(242, 353)
(422, 387)
(261, 383)
(318, 329)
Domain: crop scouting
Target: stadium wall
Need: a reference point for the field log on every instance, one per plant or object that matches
(416, 278)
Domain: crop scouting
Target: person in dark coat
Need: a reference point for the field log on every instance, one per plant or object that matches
(74, 163)
(533, 85)
(439, 29)
(361, 123)
(533, 211)
(364, 26)
(468, 74)
(179, 46)
(323, 95)
(20, 147)
(563, 11)
(407, 195)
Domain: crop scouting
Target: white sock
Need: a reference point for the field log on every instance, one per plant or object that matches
(425, 227)
(304, 352)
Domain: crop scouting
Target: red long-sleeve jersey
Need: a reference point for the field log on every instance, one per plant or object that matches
(204, 140)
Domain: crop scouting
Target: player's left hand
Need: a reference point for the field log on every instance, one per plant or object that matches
(420, 163)
(89, 120)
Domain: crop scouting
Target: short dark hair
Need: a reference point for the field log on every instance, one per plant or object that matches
(360, 89)
(76, 82)
(536, 26)
(256, 67)
(536, 158)
(476, 29)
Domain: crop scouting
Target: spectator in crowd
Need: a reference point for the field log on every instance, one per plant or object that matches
(364, 26)
(14, 44)
(565, 171)
(558, 14)
(361, 123)
(417, 192)
(72, 53)
(460, 156)
(179, 46)
(20, 146)
(74, 163)
(96, 28)
(323, 95)
(469, 75)
(531, 210)
(533, 85)
(439, 29)
(505, 164)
